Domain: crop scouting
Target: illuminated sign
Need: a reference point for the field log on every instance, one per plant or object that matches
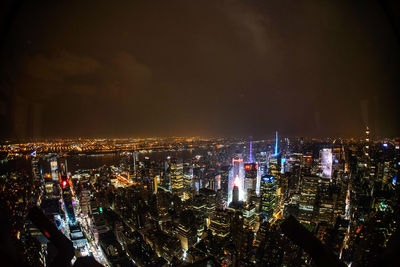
(268, 179)
(250, 166)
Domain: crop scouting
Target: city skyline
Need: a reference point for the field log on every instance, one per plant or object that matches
(184, 133)
(196, 201)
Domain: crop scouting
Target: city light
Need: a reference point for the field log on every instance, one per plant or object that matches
(200, 133)
(162, 210)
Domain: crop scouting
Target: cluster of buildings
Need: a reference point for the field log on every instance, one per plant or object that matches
(216, 203)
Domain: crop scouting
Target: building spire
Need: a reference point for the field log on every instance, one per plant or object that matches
(276, 143)
(251, 150)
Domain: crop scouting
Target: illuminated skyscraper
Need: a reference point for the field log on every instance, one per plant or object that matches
(54, 169)
(177, 177)
(274, 164)
(250, 176)
(367, 142)
(268, 195)
(326, 162)
(63, 166)
(309, 187)
(236, 177)
(220, 223)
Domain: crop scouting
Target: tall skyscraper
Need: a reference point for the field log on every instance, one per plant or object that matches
(177, 176)
(236, 177)
(250, 176)
(235, 195)
(309, 187)
(326, 162)
(274, 164)
(268, 195)
(54, 169)
(367, 142)
(188, 181)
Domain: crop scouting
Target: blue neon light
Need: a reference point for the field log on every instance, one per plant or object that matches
(268, 179)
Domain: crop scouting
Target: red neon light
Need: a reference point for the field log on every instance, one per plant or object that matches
(64, 183)
(46, 234)
(255, 167)
(247, 167)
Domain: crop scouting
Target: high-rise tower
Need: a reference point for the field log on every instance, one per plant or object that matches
(235, 195)
(236, 177)
(367, 142)
(177, 176)
(54, 169)
(268, 195)
(326, 162)
(250, 176)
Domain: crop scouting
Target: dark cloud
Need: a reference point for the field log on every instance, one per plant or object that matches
(60, 67)
(96, 68)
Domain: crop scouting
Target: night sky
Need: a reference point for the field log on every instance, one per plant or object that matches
(211, 68)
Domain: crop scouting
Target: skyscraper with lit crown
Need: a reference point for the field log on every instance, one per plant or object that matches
(236, 177)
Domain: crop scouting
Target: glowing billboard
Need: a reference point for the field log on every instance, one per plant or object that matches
(54, 170)
(326, 162)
